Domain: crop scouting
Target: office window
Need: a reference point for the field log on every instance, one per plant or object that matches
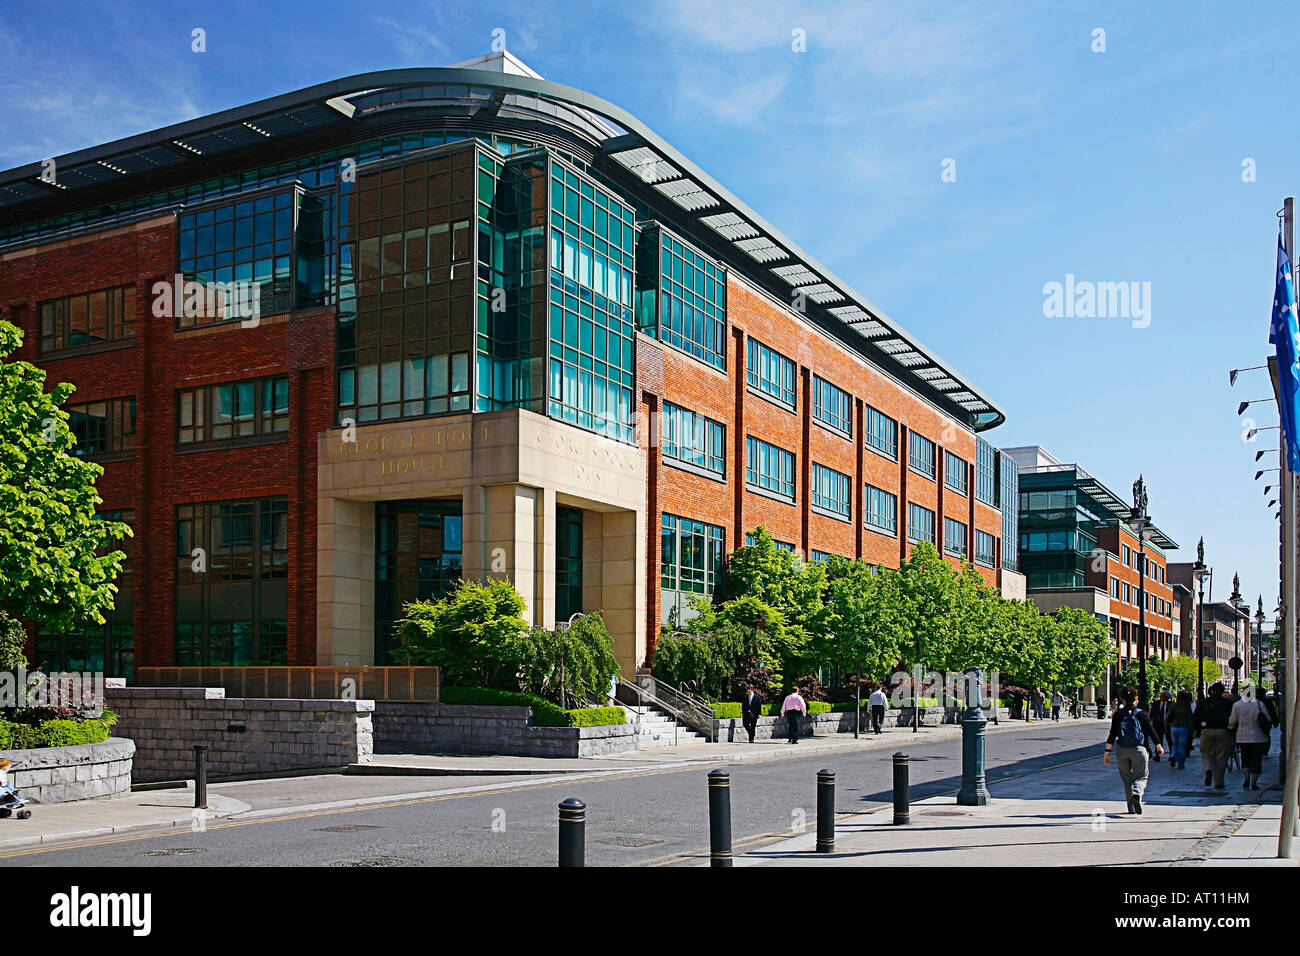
(920, 454)
(591, 296)
(692, 555)
(881, 432)
(246, 241)
(1126, 597)
(832, 406)
(779, 545)
(954, 472)
(103, 428)
(406, 320)
(78, 321)
(770, 372)
(954, 538)
(681, 296)
(986, 485)
(1128, 557)
(769, 468)
(232, 411)
(985, 548)
(880, 510)
(830, 490)
(233, 611)
(692, 439)
(920, 523)
(1114, 587)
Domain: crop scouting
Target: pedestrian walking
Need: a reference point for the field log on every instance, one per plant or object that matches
(751, 708)
(1252, 722)
(1160, 718)
(878, 703)
(793, 709)
(1058, 701)
(1213, 711)
(1180, 730)
(1038, 704)
(1131, 737)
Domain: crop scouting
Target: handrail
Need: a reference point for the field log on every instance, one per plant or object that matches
(691, 700)
(683, 714)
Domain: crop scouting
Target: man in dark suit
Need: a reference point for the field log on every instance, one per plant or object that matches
(751, 708)
(1160, 713)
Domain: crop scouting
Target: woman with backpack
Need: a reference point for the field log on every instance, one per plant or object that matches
(1131, 735)
(1253, 722)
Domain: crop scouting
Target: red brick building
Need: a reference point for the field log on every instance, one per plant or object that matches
(470, 323)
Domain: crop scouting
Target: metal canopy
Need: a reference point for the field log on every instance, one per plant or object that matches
(617, 134)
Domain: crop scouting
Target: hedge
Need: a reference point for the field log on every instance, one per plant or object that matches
(545, 713)
(726, 710)
(56, 733)
(598, 716)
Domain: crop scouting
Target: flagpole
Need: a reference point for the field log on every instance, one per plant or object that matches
(1291, 704)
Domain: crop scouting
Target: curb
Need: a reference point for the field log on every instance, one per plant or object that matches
(228, 807)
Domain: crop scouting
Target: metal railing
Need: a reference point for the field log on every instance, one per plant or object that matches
(360, 682)
(683, 706)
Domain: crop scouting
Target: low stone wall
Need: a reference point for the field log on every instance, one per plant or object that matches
(64, 774)
(245, 735)
(774, 728)
(505, 731)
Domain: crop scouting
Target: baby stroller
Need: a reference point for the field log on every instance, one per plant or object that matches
(10, 799)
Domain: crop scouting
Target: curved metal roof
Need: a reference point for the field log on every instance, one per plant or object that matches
(647, 160)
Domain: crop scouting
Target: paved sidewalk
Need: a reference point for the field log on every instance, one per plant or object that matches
(685, 754)
(87, 819)
(1073, 815)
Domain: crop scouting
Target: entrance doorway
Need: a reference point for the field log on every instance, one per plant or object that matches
(568, 563)
(418, 551)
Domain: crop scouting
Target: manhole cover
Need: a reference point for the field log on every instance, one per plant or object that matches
(629, 841)
(174, 851)
(348, 828)
(371, 861)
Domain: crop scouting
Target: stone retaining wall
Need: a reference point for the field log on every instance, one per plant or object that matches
(64, 774)
(731, 729)
(244, 735)
(505, 731)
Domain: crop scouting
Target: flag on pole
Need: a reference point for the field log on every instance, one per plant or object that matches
(1284, 333)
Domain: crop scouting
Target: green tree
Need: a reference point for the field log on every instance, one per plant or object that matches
(931, 589)
(1157, 675)
(1085, 649)
(573, 663)
(13, 641)
(54, 568)
(779, 579)
(867, 620)
(474, 634)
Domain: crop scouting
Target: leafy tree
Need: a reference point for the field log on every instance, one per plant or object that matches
(742, 639)
(931, 589)
(779, 579)
(13, 640)
(1181, 672)
(691, 661)
(572, 663)
(474, 633)
(1084, 650)
(53, 565)
(867, 618)
(1157, 677)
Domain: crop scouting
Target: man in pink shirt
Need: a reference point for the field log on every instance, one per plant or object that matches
(793, 709)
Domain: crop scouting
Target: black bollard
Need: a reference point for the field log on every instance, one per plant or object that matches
(200, 776)
(902, 793)
(825, 811)
(573, 833)
(719, 818)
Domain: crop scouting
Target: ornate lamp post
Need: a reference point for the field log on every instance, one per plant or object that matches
(1140, 521)
(974, 790)
(1200, 572)
(1242, 609)
(1259, 644)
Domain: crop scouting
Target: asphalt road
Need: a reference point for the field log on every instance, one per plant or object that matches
(642, 818)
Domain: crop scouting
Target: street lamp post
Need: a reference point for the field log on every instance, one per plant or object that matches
(1139, 521)
(1234, 599)
(1259, 644)
(1200, 572)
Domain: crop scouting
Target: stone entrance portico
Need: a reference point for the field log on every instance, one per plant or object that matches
(510, 470)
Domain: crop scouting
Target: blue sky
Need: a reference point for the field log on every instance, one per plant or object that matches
(1117, 166)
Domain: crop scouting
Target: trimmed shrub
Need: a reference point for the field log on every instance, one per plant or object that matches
(730, 710)
(15, 735)
(598, 716)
